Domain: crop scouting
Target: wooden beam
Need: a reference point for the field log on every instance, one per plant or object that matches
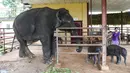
(75, 45)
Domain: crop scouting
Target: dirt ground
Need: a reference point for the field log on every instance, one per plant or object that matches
(13, 64)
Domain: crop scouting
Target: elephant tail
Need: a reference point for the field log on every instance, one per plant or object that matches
(12, 44)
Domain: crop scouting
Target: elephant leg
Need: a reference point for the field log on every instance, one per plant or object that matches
(118, 59)
(22, 48)
(46, 47)
(29, 53)
(79, 48)
(24, 51)
(53, 46)
(95, 59)
(112, 58)
(88, 58)
(124, 54)
(124, 59)
(98, 56)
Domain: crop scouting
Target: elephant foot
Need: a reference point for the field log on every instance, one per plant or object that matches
(78, 50)
(118, 62)
(22, 55)
(48, 62)
(53, 54)
(112, 61)
(31, 55)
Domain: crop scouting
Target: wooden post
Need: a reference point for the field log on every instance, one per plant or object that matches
(57, 65)
(127, 35)
(65, 37)
(104, 24)
(121, 25)
(88, 18)
(91, 14)
(57, 55)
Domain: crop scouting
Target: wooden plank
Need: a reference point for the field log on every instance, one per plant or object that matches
(80, 28)
(77, 53)
(72, 45)
(79, 36)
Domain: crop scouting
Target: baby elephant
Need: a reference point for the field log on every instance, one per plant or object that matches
(115, 50)
(94, 57)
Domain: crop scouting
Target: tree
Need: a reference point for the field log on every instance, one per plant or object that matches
(12, 5)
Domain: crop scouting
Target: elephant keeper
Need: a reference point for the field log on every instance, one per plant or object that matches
(115, 36)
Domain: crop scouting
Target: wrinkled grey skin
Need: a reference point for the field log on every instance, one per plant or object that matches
(116, 50)
(40, 24)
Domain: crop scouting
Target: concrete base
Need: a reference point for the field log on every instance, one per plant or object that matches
(102, 67)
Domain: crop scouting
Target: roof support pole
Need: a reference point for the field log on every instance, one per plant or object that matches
(104, 24)
(88, 18)
(91, 13)
(121, 25)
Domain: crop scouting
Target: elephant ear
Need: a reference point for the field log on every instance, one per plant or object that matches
(59, 15)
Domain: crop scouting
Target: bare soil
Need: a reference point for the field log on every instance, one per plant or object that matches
(76, 62)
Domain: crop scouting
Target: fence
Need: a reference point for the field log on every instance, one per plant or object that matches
(124, 40)
(82, 44)
(6, 38)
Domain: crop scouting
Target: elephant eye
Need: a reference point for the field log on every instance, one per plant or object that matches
(67, 14)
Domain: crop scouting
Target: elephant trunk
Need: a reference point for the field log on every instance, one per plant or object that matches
(74, 32)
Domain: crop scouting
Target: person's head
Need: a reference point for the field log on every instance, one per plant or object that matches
(116, 28)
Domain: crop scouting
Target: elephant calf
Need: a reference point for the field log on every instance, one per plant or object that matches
(92, 49)
(115, 50)
(94, 57)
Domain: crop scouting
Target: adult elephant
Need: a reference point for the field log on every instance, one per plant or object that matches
(40, 24)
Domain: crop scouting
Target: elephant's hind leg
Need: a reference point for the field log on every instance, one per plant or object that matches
(29, 53)
(22, 48)
(24, 51)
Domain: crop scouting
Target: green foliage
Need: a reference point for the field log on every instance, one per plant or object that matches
(12, 5)
(52, 69)
(1, 49)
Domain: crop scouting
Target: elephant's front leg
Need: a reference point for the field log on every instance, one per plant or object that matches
(53, 46)
(95, 60)
(118, 59)
(112, 59)
(46, 47)
(99, 56)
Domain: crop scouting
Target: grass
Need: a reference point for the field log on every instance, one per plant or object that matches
(2, 49)
(52, 69)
